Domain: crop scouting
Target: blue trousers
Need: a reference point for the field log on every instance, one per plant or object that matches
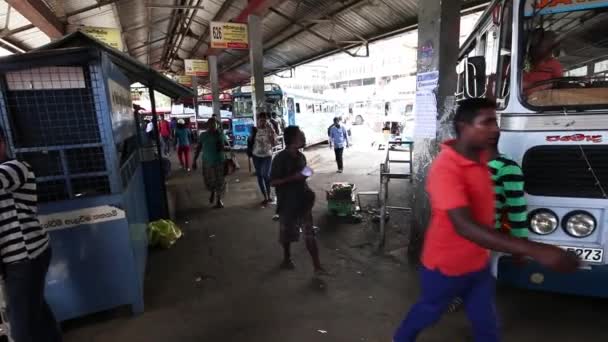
(30, 317)
(478, 290)
(262, 171)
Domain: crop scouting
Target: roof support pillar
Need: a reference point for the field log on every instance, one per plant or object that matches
(38, 13)
(214, 79)
(256, 56)
(438, 44)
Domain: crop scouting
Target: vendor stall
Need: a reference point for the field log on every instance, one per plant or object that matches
(66, 109)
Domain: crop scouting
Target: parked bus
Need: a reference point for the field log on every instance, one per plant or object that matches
(545, 62)
(312, 112)
(225, 101)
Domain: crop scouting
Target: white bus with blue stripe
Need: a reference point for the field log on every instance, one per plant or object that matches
(546, 63)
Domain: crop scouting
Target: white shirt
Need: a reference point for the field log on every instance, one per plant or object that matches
(262, 146)
(149, 127)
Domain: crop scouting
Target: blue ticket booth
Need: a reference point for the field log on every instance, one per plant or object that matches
(66, 109)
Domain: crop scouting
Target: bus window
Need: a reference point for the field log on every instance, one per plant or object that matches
(578, 72)
(558, 45)
(297, 107)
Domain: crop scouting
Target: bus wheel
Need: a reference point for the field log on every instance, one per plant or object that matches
(359, 120)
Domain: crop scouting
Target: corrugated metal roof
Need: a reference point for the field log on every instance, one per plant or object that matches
(163, 33)
(300, 31)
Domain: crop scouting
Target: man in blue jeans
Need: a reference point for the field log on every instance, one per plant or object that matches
(456, 257)
(25, 253)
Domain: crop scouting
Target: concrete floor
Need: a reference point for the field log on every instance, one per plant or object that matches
(221, 281)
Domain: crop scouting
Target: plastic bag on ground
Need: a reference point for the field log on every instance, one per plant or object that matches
(163, 233)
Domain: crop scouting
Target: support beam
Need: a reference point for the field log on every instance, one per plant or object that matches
(148, 43)
(99, 4)
(438, 39)
(8, 33)
(317, 34)
(255, 7)
(40, 16)
(256, 56)
(176, 7)
(139, 27)
(214, 79)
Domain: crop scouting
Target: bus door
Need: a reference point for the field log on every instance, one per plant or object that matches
(291, 111)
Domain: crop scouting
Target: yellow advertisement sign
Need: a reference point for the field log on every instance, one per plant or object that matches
(185, 80)
(229, 36)
(110, 36)
(196, 67)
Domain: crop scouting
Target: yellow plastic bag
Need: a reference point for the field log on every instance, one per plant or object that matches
(163, 233)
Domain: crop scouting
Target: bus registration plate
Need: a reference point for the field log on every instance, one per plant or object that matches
(594, 255)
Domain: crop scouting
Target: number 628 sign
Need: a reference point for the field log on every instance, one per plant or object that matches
(229, 36)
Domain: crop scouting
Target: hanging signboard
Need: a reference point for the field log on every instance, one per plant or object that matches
(543, 7)
(229, 36)
(196, 67)
(110, 36)
(185, 80)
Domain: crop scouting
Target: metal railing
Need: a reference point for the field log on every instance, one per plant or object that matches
(386, 174)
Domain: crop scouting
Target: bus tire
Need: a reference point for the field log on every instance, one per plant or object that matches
(359, 120)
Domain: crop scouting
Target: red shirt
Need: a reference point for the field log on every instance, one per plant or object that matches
(457, 182)
(164, 128)
(543, 71)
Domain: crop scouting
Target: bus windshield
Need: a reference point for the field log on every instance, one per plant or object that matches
(565, 53)
(243, 107)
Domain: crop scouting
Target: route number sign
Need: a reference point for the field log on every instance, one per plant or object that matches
(229, 36)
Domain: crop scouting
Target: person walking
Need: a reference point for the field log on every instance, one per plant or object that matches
(511, 206)
(455, 257)
(338, 139)
(295, 199)
(164, 130)
(173, 126)
(182, 141)
(25, 253)
(150, 131)
(261, 142)
(277, 123)
(212, 144)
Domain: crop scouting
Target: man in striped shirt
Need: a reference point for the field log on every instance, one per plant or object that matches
(508, 178)
(25, 253)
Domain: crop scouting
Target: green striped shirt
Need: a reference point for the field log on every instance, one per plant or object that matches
(509, 188)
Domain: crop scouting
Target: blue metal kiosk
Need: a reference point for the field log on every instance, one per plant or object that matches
(66, 109)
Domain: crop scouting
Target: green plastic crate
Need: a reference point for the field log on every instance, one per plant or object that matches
(341, 207)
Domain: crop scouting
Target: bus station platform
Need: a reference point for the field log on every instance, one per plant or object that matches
(221, 281)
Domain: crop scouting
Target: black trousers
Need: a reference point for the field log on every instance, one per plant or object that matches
(29, 315)
(339, 152)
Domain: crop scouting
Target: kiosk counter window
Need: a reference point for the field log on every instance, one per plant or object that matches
(53, 115)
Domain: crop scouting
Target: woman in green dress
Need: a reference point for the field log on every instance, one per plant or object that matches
(211, 143)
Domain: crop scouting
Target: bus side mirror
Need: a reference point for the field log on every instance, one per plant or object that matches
(474, 77)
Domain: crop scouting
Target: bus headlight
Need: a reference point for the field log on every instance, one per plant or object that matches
(543, 221)
(579, 224)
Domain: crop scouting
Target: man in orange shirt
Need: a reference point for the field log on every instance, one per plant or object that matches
(543, 66)
(456, 256)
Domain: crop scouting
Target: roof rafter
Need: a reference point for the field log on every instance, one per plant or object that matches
(40, 15)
